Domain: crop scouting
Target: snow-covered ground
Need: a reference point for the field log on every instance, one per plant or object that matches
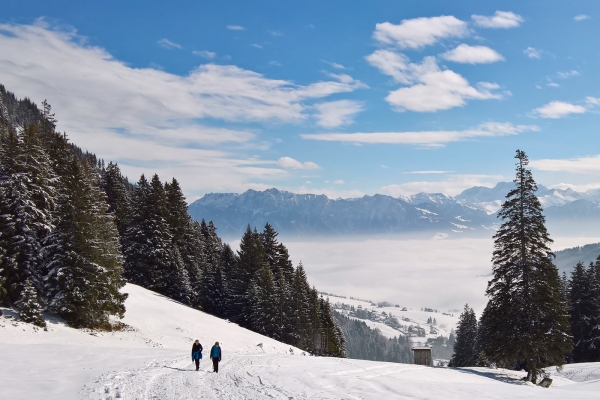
(150, 360)
(444, 323)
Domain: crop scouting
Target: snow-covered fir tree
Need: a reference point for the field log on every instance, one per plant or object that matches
(27, 198)
(118, 196)
(262, 298)
(465, 345)
(29, 306)
(525, 320)
(584, 304)
(85, 264)
(151, 260)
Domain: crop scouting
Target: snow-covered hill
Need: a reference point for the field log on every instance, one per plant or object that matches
(445, 321)
(149, 359)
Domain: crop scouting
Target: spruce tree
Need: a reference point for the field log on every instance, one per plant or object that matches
(301, 309)
(332, 342)
(250, 260)
(115, 187)
(29, 306)
(263, 305)
(525, 320)
(465, 348)
(585, 313)
(27, 199)
(84, 263)
(151, 260)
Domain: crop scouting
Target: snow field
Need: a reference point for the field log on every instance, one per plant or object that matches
(271, 376)
(150, 359)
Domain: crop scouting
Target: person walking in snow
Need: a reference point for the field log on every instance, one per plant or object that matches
(215, 355)
(197, 353)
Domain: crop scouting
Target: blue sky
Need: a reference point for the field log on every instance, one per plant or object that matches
(336, 97)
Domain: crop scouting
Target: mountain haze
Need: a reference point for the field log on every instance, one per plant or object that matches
(472, 212)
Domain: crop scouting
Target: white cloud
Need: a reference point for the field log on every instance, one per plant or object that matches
(150, 120)
(423, 138)
(568, 74)
(275, 33)
(552, 84)
(167, 44)
(533, 53)
(581, 17)
(450, 186)
(337, 113)
(501, 19)
(558, 109)
(464, 53)
(576, 187)
(258, 46)
(581, 165)
(236, 28)
(334, 64)
(431, 88)
(275, 63)
(204, 54)
(592, 101)
(420, 32)
(338, 182)
(427, 172)
(288, 162)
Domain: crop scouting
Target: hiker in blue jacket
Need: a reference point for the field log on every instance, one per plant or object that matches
(215, 356)
(197, 353)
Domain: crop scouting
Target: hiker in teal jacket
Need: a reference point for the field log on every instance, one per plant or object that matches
(215, 356)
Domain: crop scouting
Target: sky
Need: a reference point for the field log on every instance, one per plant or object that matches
(334, 97)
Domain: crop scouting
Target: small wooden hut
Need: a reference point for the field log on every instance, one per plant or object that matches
(422, 355)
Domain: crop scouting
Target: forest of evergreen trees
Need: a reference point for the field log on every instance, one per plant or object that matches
(533, 319)
(365, 343)
(73, 230)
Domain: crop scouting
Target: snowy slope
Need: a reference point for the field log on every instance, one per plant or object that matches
(57, 363)
(151, 360)
(445, 323)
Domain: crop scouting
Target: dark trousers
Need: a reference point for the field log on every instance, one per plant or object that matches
(197, 364)
(215, 364)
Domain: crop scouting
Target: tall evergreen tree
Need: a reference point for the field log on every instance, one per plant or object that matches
(26, 200)
(118, 197)
(84, 265)
(465, 347)
(332, 340)
(585, 313)
(151, 260)
(263, 305)
(250, 261)
(301, 309)
(29, 306)
(525, 319)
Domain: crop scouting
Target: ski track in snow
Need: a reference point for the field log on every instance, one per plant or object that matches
(271, 376)
(238, 378)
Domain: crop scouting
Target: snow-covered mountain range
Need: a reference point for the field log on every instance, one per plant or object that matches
(472, 212)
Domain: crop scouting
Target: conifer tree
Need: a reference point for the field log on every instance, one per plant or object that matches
(465, 348)
(151, 259)
(211, 279)
(84, 262)
(525, 319)
(263, 306)
(27, 198)
(114, 186)
(585, 313)
(332, 339)
(301, 309)
(250, 261)
(29, 306)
